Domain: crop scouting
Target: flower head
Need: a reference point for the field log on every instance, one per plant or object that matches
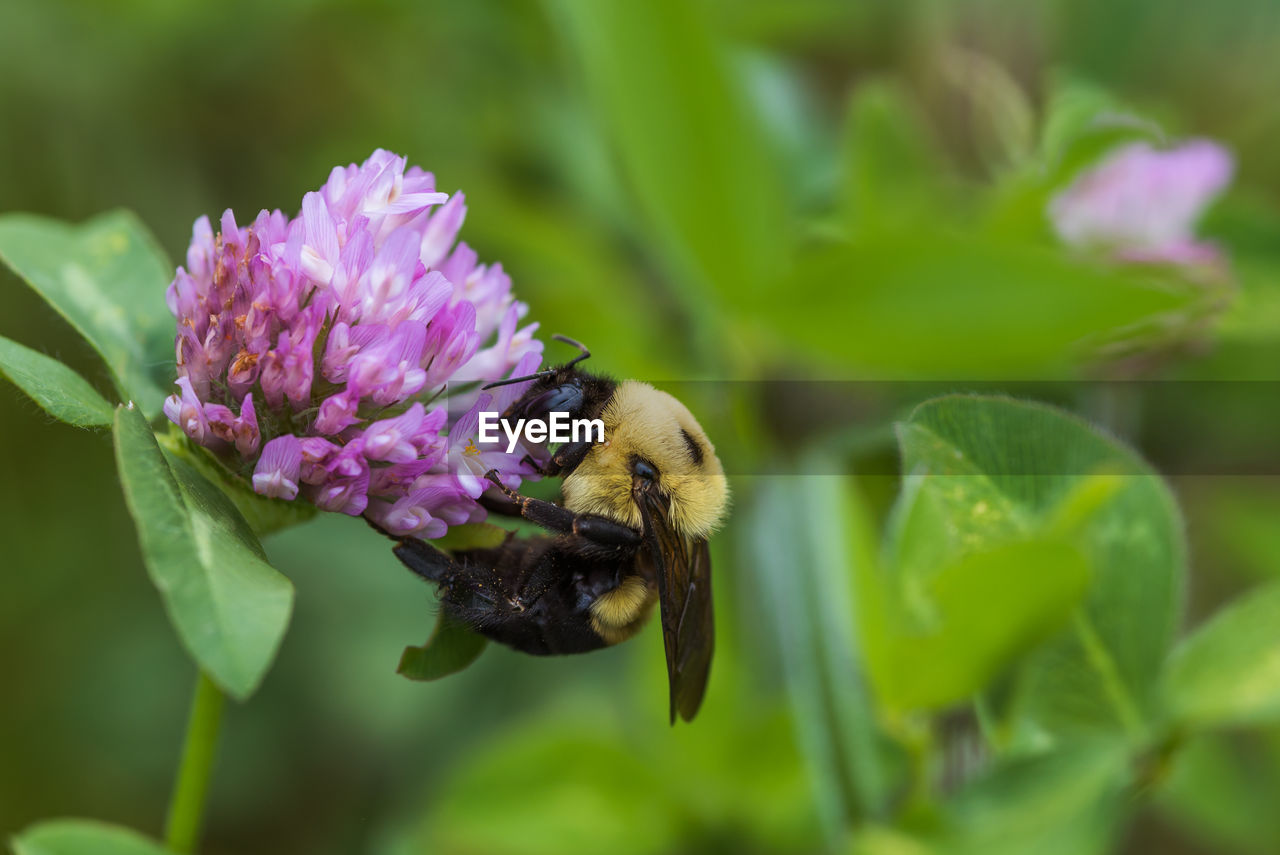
(316, 349)
(1142, 204)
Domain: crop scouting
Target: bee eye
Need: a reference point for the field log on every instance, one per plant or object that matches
(645, 470)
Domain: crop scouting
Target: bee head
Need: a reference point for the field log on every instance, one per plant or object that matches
(652, 443)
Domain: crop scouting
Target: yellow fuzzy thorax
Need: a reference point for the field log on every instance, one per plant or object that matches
(641, 421)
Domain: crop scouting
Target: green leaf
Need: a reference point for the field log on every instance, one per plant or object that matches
(107, 277)
(1082, 124)
(62, 393)
(564, 789)
(984, 609)
(264, 515)
(229, 605)
(810, 579)
(1061, 477)
(83, 837)
(939, 304)
(1001, 117)
(893, 174)
(1221, 792)
(693, 155)
(1065, 803)
(451, 648)
(880, 840)
(1228, 671)
(935, 522)
(1076, 110)
(1238, 520)
(471, 536)
(586, 776)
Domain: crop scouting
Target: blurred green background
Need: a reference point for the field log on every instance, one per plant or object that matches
(667, 183)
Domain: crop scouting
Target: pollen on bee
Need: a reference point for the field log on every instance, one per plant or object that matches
(617, 614)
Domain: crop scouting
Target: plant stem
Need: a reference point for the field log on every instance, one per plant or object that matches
(186, 808)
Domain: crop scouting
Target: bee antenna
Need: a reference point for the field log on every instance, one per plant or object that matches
(585, 354)
(510, 380)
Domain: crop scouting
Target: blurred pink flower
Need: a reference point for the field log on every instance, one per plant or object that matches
(312, 348)
(1142, 204)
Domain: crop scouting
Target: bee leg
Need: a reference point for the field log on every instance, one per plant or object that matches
(459, 582)
(568, 456)
(556, 518)
(564, 461)
(499, 505)
(544, 471)
(469, 590)
(425, 560)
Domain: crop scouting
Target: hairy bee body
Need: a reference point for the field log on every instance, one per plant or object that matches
(547, 595)
(632, 531)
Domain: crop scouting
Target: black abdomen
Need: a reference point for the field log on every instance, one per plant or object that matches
(535, 594)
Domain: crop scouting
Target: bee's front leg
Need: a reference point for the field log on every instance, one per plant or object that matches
(564, 461)
(556, 518)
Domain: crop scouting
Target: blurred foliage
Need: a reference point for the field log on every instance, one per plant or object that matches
(747, 191)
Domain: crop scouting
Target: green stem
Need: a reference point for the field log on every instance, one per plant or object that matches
(186, 809)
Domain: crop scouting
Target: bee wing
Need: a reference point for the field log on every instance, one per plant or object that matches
(683, 570)
(689, 663)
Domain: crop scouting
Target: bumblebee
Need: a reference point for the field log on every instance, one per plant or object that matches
(638, 508)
